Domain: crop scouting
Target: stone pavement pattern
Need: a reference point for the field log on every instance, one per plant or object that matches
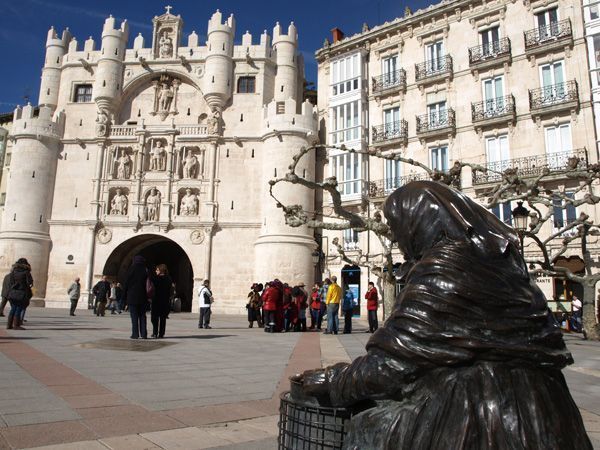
(80, 383)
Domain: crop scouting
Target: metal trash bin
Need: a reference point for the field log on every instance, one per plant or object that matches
(310, 426)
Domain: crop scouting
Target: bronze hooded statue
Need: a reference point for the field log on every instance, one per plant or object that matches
(470, 357)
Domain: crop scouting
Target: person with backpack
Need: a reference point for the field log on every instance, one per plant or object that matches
(19, 293)
(348, 310)
(136, 293)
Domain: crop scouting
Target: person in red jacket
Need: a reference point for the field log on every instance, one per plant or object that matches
(270, 302)
(372, 305)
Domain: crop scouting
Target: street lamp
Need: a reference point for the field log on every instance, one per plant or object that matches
(520, 217)
(316, 257)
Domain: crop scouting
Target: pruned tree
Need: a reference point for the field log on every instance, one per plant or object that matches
(507, 185)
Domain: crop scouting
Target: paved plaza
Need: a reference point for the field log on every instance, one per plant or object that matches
(81, 383)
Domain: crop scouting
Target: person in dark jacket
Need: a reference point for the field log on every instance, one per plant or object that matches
(161, 302)
(348, 310)
(102, 292)
(19, 293)
(5, 287)
(134, 292)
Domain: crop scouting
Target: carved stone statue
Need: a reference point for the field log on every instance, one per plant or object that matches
(190, 165)
(466, 357)
(118, 204)
(165, 46)
(152, 205)
(157, 156)
(214, 123)
(123, 166)
(102, 123)
(165, 97)
(189, 204)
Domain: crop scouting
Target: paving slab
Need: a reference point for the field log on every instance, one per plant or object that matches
(191, 438)
(46, 434)
(129, 442)
(84, 445)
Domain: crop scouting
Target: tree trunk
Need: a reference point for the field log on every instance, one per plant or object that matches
(591, 330)
(389, 295)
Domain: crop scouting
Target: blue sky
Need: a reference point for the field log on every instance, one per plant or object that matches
(24, 24)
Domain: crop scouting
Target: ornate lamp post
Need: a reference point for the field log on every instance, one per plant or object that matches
(520, 221)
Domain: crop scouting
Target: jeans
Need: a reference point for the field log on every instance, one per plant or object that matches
(16, 310)
(159, 324)
(73, 305)
(269, 320)
(204, 320)
(333, 321)
(348, 321)
(138, 321)
(372, 316)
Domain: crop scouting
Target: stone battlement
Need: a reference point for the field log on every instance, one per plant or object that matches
(44, 124)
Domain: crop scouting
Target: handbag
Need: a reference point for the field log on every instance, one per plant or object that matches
(16, 295)
(149, 288)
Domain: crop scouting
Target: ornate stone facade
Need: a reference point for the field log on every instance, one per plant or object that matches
(140, 154)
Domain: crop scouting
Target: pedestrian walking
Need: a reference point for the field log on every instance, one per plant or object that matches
(315, 308)
(120, 298)
(74, 292)
(101, 292)
(348, 310)
(5, 288)
(135, 291)
(270, 304)
(372, 306)
(334, 297)
(161, 302)
(19, 293)
(205, 298)
(576, 305)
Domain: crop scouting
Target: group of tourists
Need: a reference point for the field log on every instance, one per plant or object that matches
(279, 307)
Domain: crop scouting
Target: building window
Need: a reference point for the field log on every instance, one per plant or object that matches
(346, 167)
(350, 239)
(393, 172)
(594, 12)
(433, 55)
(497, 149)
(493, 94)
(345, 123)
(547, 23)
(345, 75)
(246, 85)
(390, 70)
(439, 158)
(280, 108)
(564, 213)
(83, 93)
(503, 211)
(391, 119)
(490, 40)
(558, 138)
(438, 114)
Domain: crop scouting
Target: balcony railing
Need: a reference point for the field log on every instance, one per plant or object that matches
(381, 188)
(433, 68)
(533, 165)
(548, 34)
(389, 82)
(491, 51)
(493, 108)
(555, 95)
(435, 121)
(390, 132)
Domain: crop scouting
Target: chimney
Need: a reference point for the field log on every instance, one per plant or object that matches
(337, 35)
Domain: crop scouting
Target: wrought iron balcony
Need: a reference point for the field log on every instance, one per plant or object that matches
(433, 70)
(554, 98)
(545, 38)
(389, 82)
(492, 111)
(491, 54)
(390, 133)
(381, 188)
(533, 165)
(436, 123)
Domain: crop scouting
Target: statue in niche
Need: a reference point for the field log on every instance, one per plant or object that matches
(165, 48)
(118, 204)
(189, 204)
(466, 357)
(214, 123)
(152, 205)
(190, 165)
(157, 156)
(165, 97)
(102, 121)
(123, 166)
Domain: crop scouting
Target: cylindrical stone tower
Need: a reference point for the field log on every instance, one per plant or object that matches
(25, 229)
(109, 73)
(55, 50)
(218, 74)
(287, 70)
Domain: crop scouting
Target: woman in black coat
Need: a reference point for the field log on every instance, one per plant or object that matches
(161, 302)
(470, 358)
(134, 292)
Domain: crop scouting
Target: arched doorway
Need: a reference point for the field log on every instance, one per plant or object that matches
(157, 250)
